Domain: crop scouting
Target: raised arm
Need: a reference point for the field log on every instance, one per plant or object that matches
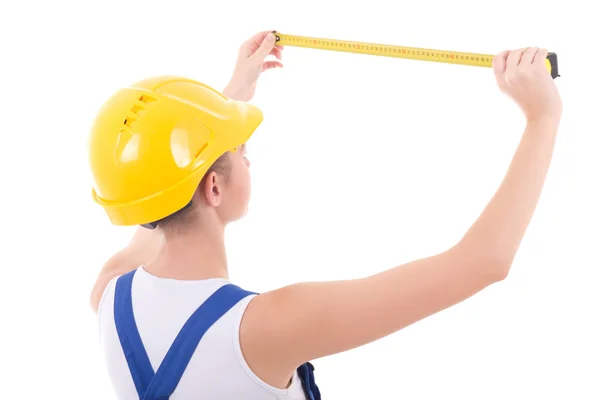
(289, 326)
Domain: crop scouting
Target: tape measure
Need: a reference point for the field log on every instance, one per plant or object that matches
(413, 53)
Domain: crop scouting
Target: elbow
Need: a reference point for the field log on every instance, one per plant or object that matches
(498, 266)
(499, 270)
(494, 266)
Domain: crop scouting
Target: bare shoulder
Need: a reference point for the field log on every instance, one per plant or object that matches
(286, 327)
(257, 329)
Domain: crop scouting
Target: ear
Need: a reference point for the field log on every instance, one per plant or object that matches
(212, 189)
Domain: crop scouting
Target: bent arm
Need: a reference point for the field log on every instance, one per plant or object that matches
(141, 249)
(289, 326)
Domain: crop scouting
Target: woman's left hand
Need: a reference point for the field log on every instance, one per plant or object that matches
(251, 62)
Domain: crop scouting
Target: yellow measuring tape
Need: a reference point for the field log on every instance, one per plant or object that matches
(413, 53)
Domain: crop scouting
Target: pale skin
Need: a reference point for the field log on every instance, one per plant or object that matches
(286, 327)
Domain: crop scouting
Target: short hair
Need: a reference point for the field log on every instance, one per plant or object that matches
(178, 219)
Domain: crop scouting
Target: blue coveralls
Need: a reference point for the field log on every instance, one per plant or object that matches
(161, 384)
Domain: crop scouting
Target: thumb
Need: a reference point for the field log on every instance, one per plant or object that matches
(499, 67)
(266, 46)
(499, 63)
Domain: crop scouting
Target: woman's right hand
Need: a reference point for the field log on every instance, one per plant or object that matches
(522, 75)
(284, 328)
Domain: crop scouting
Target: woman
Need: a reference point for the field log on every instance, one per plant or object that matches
(168, 154)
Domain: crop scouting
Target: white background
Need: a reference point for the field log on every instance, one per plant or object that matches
(362, 163)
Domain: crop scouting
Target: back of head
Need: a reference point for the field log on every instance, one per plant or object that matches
(152, 143)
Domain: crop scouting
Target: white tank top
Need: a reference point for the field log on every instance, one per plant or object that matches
(217, 369)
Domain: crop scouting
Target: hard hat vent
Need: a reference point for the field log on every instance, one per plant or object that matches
(137, 110)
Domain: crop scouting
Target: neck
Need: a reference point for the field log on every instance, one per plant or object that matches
(194, 255)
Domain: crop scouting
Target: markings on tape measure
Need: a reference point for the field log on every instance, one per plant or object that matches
(414, 53)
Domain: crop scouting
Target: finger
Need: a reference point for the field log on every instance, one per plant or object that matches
(271, 64)
(267, 45)
(276, 52)
(540, 56)
(259, 37)
(528, 56)
(514, 58)
(250, 46)
(499, 63)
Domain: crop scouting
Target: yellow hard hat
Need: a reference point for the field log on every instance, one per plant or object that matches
(151, 144)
